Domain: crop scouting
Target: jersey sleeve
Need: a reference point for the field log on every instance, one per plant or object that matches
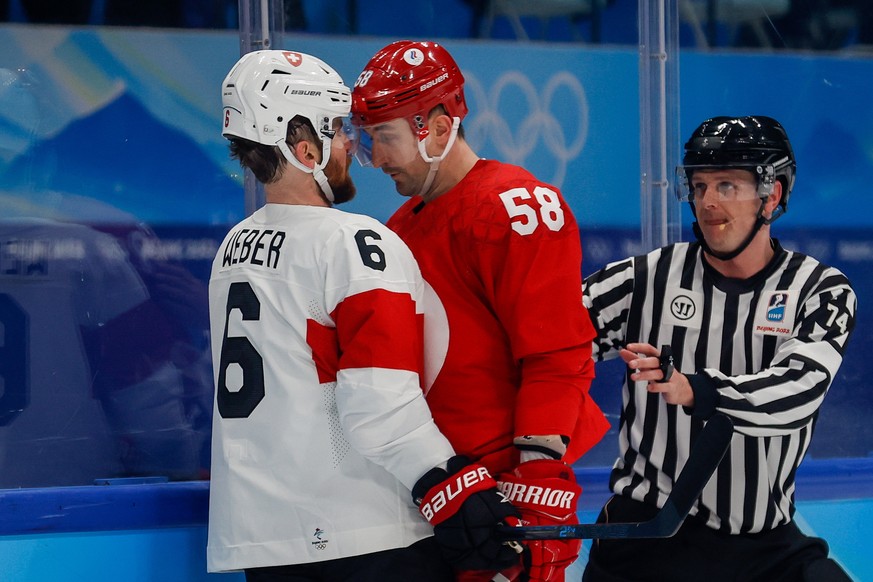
(607, 295)
(374, 291)
(787, 393)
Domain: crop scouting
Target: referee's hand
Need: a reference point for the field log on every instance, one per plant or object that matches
(645, 364)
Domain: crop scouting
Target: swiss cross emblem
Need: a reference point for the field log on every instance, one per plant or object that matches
(294, 58)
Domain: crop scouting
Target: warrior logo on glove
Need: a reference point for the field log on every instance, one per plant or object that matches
(522, 494)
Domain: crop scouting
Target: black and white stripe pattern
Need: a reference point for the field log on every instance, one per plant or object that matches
(770, 345)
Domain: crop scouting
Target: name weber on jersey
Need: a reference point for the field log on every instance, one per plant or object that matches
(255, 246)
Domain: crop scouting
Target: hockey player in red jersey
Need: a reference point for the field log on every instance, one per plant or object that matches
(322, 440)
(508, 342)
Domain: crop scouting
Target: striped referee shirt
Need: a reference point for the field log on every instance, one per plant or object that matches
(763, 351)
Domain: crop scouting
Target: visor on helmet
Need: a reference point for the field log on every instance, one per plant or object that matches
(350, 132)
(727, 190)
(362, 148)
(393, 143)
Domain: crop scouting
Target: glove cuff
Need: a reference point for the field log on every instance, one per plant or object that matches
(428, 481)
(545, 469)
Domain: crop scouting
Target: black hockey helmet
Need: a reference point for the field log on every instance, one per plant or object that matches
(754, 142)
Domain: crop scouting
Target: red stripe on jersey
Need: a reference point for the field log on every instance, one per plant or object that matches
(325, 350)
(380, 329)
(374, 329)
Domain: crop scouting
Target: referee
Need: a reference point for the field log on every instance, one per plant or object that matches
(732, 323)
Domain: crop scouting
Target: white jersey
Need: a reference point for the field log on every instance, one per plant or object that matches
(320, 426)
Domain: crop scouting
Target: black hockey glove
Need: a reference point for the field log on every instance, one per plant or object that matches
(464, 506)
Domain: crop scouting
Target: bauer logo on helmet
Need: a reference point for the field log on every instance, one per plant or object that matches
(434, 82)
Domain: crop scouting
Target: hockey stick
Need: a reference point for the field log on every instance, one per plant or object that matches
(706, 453)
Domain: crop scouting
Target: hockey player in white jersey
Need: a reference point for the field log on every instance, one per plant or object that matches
(321, 434)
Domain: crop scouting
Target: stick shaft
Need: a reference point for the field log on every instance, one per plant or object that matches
(706, 453)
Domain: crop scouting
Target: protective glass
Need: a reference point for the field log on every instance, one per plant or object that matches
(692, 183)
(391, 144)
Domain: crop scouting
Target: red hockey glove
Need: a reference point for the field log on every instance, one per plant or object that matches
(546, 493)
(465, 507)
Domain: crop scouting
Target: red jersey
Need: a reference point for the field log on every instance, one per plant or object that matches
(512, 354)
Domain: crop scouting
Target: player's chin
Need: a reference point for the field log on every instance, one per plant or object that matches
(405, 187)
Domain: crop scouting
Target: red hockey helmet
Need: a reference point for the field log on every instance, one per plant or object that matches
(406, 79)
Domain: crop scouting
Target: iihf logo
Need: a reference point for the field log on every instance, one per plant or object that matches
(776, 307)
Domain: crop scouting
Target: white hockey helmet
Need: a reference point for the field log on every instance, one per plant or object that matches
(266, 89)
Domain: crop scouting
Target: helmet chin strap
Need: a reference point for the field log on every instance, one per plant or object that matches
(435, 160)
(317, 171)
(760, 220)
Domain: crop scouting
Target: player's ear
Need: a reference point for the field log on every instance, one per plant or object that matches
(441, 127)
(306, 152)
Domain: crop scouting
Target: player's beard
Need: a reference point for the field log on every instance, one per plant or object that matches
(337, 173)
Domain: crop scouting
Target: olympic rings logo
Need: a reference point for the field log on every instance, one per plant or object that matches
(486, 126)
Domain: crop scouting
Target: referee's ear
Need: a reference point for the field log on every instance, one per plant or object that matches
(773, 199)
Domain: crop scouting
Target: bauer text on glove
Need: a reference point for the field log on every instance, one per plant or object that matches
(465, 507)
